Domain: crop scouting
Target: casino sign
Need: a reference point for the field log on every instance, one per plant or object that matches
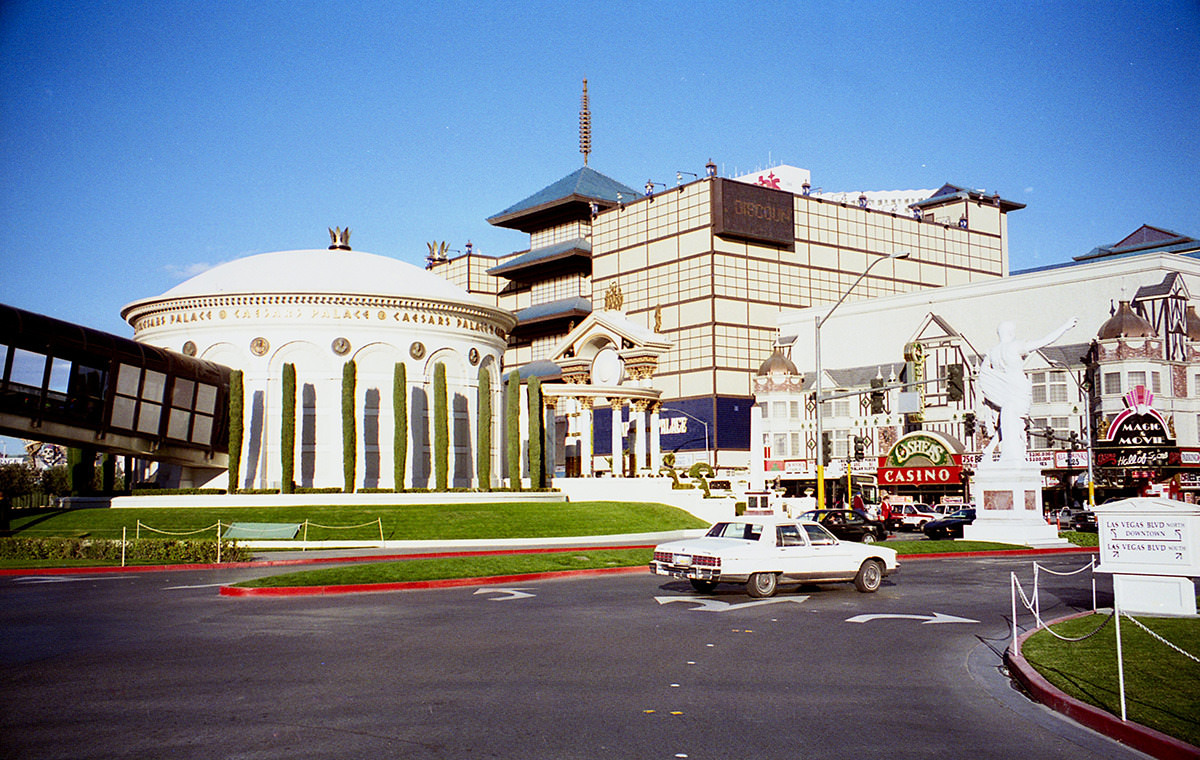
(1138, 438)
(920, 458)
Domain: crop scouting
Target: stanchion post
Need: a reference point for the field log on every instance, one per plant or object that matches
(218, 542)
(1012, 592)
(380, 519)
(124, 531)
(1037, 600)
(139, 529)
(305, 547)
(1120, 660)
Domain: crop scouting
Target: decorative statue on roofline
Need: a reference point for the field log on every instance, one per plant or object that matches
(1007, 392)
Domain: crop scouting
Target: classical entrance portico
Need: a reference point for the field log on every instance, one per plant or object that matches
(608, 364)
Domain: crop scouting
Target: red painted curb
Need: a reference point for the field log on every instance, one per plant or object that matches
(415, 585)
(1004, 553)
(1141, 738)
(301, 561)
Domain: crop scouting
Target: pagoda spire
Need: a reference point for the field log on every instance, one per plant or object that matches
(585, 125)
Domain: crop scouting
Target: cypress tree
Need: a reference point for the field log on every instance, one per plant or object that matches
(441, 429)
(400, 431)
(484, 449)
(235, 430)
(287, 433)
(537, 468)
(349, 427)
(512, 419)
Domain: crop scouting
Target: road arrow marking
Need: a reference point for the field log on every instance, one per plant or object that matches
(512, 593)
(936, 617)
(716, 605)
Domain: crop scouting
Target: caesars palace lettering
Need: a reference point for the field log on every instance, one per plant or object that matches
(438, 320)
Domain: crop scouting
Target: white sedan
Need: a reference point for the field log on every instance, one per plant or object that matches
(764, 551)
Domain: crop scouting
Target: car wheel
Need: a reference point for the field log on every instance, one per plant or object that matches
(921, 525)
(870, 576)
(868, 538)
(704, 587)
(761, 585)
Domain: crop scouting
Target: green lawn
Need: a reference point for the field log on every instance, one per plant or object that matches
(457, 567)
(1162, 686)
(400, 523)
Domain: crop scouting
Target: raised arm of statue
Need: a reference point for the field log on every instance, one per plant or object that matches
(1034, 345)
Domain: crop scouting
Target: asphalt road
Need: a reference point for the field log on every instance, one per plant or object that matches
(623, 666)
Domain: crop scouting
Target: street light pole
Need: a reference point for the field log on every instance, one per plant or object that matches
(817, 352)
(1087, 427)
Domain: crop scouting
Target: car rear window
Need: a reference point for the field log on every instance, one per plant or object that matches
(742, 530)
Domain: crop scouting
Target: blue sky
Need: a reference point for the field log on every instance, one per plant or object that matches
(143, 142)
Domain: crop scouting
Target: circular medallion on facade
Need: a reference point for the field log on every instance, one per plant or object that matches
(417, 350)
(340, 346)
(189, 349)
(473, 356)
(607, 367)
(259, 346)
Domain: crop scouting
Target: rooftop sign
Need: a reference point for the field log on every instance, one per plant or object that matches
(753, 212)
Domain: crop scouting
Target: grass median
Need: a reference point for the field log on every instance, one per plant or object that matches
(1162, 686)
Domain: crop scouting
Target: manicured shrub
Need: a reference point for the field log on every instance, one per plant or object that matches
(512, 421)
(441, 429)
(235, 428)
(349, 426)
(483, 469)
(537, 465)
(287, 434)
(400, 432)
(158, 551)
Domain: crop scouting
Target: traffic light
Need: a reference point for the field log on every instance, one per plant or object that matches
(954, 382)
(826, 448)
(1074, 440)
(969, 424)
(877, 395)
(859, 448)
(1049, 433)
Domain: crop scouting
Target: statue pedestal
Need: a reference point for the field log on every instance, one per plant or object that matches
(1008, 506)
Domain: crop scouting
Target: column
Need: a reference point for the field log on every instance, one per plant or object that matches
(586, 436)
(618, 466)
(639, 436)
(550, 436)
(655, 441)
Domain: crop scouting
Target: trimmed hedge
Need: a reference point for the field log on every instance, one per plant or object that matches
(287, 433)
(236, 409)
(400, 435)
(483, 468)
(162, 551)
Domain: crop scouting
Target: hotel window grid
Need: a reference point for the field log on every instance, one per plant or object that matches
(1049, 387)
(1112, 383)
(1137, 378)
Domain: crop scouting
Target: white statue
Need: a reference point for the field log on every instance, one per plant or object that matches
(1007, 392)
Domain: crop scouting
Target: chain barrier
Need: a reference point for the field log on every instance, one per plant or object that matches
(1032, 607)
(1139, 624)
(141, 525)
(377, 521)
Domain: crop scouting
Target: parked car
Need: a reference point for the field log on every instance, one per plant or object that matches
(950, 526)
(1084, 521)
(765, 551)
(848, 524)
(913, 516)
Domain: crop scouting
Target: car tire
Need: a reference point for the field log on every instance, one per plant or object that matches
(869, 538)
(762, 585)
(704, 587)
(921, 526)
(869, 577)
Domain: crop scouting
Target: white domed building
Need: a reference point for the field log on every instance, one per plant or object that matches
(318, 310)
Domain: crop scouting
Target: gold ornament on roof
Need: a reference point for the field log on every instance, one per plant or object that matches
(339, 239)
(613, 300)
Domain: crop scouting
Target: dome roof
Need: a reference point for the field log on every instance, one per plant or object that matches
(321, 271)
(1125, 324)
(1193, 324)
(778, 364)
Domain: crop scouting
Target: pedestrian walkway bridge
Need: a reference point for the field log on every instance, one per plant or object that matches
(71, 385)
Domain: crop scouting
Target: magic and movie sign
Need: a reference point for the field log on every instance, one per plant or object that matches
(919, 459)
(753, 212)
(1139, 437)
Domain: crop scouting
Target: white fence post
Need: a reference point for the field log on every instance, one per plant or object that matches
(1120, 660)
(123, 533)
